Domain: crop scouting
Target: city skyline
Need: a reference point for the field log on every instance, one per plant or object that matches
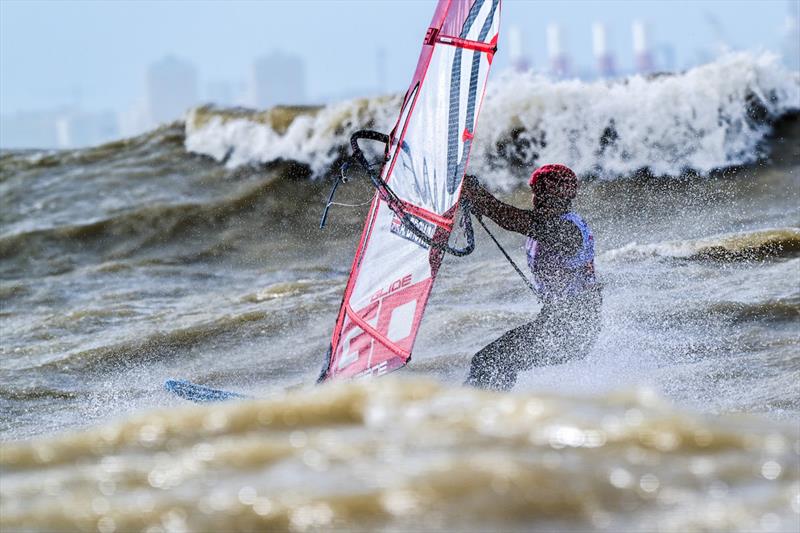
(94, 54)
(588, 47)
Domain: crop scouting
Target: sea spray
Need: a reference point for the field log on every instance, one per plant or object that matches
(710, 117)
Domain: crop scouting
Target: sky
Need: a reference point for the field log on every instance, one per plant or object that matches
(93, 54)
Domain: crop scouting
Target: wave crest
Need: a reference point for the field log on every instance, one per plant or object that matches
(710, 117)
(745, 246)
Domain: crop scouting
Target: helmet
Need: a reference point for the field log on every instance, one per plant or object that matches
(555, 180)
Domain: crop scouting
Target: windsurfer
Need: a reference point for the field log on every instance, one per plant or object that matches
(560, 251)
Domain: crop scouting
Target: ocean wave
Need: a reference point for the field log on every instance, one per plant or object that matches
(407, 455)
(710, 117)
(314, 136)
(744, 246)
(58, 248)
(787, 310)
(159, 345)
(149, 146)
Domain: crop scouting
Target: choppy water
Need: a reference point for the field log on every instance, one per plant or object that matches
(125, 265)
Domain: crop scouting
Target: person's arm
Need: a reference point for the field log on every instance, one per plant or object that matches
(506, 216)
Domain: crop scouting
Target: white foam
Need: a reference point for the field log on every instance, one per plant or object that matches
(697, 120)
(313, 139)
(731, 242)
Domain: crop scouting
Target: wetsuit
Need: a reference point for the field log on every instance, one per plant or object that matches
(561, 258)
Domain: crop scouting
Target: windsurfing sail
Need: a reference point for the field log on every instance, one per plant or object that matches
(408, 224)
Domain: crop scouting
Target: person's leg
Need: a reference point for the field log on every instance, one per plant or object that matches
(562, 332)
(572, 330)
(496, 365)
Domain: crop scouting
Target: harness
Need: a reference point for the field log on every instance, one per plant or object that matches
(557, 275)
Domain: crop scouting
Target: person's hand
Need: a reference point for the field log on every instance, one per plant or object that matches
(471, 184)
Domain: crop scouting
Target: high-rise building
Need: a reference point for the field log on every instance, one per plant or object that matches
(519, 61)
(170, 89)
(29, 129)
(604, 59)
(641, 48)
(559, 62)
(791, 36)
(278, 79)
(77, 129)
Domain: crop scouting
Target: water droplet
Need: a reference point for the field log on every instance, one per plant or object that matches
(312, 516)
(265, 417)
(150, 434)
(399, 502)
(796, 499)
(620, 478)
(649, 483)
(155, 478)
(771, 470)
(262, 506)
(594, 438)
(666, 441)
(775, 443)
(633, 417)
(701, 466)
(247, 495)
(203, 451)
(314, 459)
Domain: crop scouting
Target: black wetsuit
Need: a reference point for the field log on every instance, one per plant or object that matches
(567, 325)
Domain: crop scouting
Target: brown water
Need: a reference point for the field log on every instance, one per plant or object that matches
(135, 262)
(411, 454)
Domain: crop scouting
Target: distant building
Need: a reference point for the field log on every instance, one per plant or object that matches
(170, 89)
(60, 128)
(519, 61)
(79, 128)
(641, 48)
(278, 79)
(31, 129)
(559, 62)
(791, 37)
(604, 59)
(225, 93)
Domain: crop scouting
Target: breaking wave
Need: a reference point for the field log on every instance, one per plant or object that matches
(710, 117)
(745, 246)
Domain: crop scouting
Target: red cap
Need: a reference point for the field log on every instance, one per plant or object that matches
(558, 180)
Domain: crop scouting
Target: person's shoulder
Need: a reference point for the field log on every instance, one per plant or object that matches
(571, 229)
(575, 218)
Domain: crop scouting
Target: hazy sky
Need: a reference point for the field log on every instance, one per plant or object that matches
(94, 53)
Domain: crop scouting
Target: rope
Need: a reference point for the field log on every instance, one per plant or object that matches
(508, 257)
